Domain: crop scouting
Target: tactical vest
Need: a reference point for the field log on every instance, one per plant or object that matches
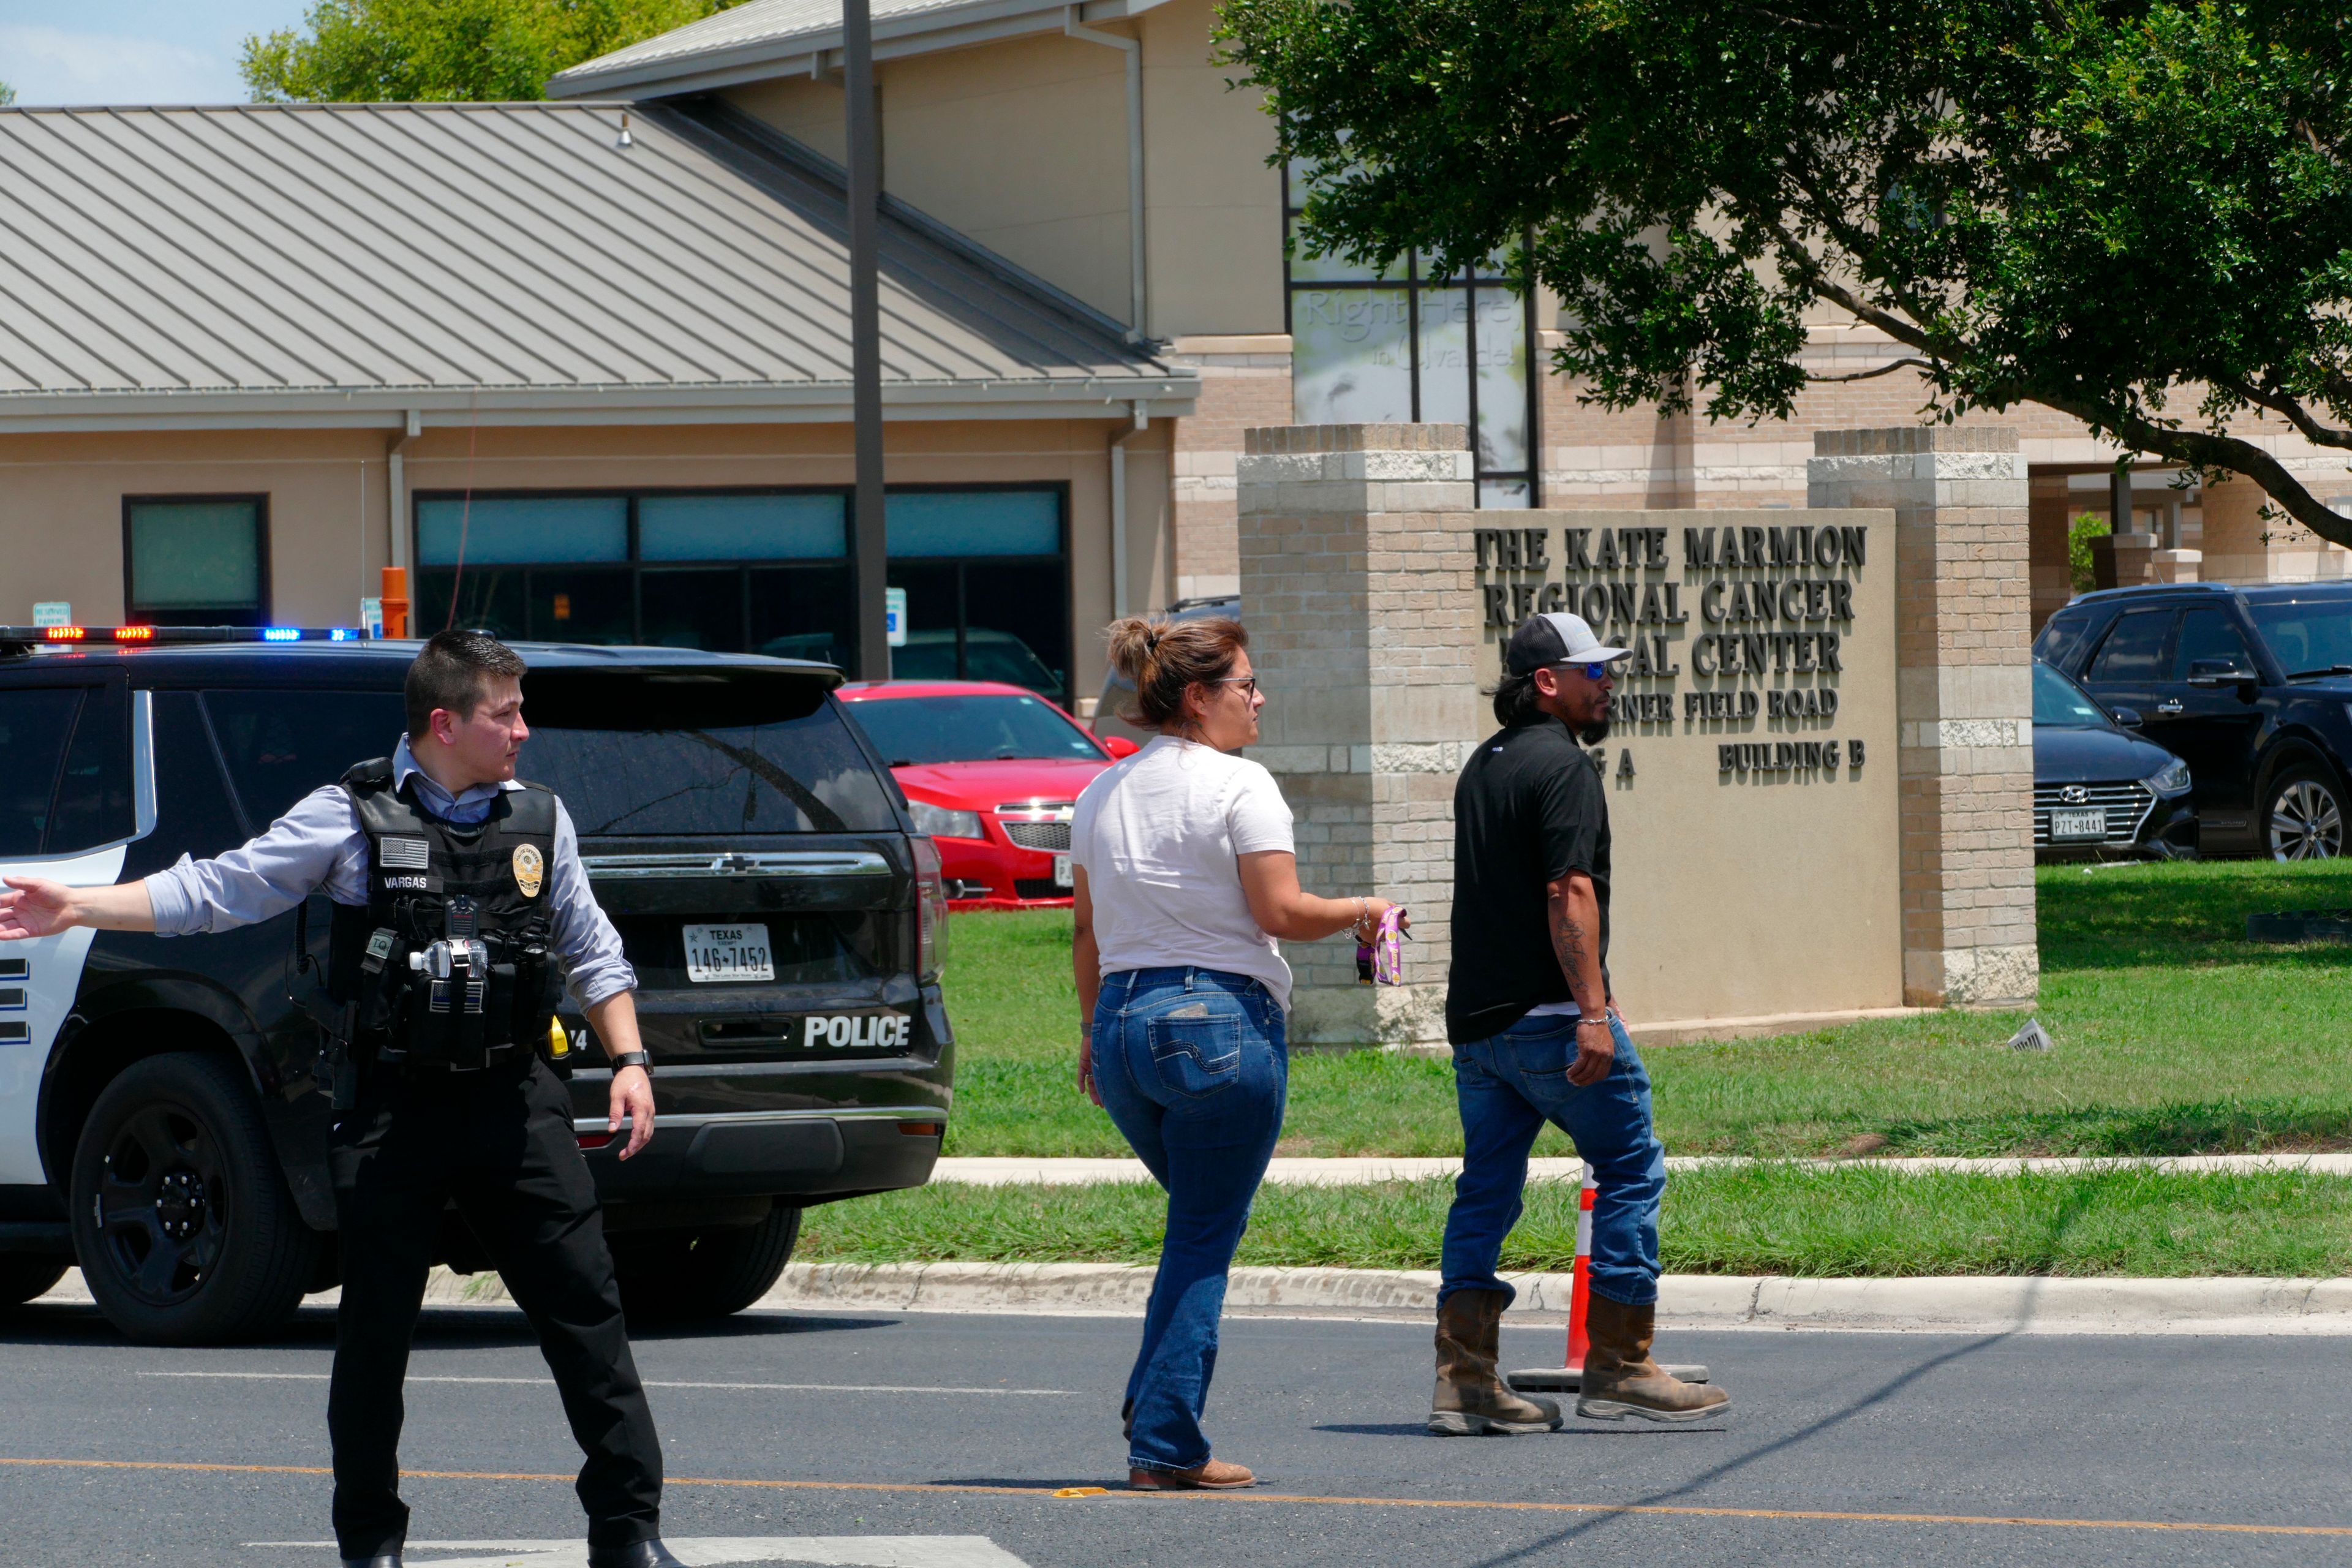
(447, 964)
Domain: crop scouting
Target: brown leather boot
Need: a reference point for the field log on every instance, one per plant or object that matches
(1471, 1399)
(1620, 1378)
(1210, 1476)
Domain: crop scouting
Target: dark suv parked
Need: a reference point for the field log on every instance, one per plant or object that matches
(2249, 686)
(160, 1122)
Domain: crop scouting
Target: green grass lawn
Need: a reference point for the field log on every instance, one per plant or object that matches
(1777, 1218)
(2174, 1035)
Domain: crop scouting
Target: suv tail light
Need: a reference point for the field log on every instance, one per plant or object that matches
(931, 912)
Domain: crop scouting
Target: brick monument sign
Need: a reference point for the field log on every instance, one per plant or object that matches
(1819, 763)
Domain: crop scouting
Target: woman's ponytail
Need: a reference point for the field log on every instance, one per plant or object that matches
(1163, 659)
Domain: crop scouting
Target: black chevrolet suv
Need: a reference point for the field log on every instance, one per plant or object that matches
(162, 1121)
(2252, 686)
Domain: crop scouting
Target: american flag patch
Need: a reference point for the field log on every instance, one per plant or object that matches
(405, 855)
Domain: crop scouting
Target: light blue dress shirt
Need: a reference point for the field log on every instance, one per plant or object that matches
(318, 845)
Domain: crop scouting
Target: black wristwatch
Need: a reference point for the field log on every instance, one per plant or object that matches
(634, 1060)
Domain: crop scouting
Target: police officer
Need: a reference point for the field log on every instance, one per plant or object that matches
(460, 906)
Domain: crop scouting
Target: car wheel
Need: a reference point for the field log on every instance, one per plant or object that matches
(680, 1275)
(181, 1220)
(2303, 817)
(21, 1278)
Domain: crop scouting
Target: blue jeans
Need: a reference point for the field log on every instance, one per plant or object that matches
(1191, 1067)
(1509, 1085)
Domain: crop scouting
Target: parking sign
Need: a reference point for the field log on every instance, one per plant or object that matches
(894, 615)
(53, 613)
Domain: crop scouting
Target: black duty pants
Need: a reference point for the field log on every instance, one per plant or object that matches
(501, 1143)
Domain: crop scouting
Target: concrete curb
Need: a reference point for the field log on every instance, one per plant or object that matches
(1000, 1171)
(1687, 1301)
(1955, 1306)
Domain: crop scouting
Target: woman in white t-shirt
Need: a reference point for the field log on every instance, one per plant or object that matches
(1186, 874)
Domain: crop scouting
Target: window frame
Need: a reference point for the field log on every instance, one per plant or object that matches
(260, 502)
(633, 565)
(1060, 489)
(636, 567)
(1413, 286)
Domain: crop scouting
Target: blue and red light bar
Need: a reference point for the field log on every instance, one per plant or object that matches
(142, 635)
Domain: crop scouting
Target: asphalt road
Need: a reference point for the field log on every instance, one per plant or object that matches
(946, 1434)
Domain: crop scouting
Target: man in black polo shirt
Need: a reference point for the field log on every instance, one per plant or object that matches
(1535, 1037)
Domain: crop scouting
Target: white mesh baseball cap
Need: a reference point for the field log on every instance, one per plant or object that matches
(1556, 638)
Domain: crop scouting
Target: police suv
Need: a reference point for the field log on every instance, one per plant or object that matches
(164, 1102)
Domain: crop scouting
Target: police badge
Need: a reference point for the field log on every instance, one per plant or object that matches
(529, 868)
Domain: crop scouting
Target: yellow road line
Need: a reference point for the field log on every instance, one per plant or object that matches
(1668, 1509)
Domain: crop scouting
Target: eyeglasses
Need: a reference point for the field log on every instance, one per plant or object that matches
(1591, 672)
(1248, 683)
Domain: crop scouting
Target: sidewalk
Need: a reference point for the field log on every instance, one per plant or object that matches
(995, 1171)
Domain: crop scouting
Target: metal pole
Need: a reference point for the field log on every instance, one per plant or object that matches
(865, 338)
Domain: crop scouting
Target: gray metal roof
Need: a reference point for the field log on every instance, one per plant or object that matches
(765, 37)
(350, 263)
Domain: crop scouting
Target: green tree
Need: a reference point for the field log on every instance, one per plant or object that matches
(2079, 534)
(2135, 212)
(7, 95)
(476, 50)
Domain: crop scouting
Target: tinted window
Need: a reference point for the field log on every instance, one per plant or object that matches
(190, 798)
(2307, 634)
(34, 728)
(2135, 649)
(2059, 703)
(281, 745)
(2208, 633)
(2062, 640)
(93, 802)
(968, 728)
(695, 753)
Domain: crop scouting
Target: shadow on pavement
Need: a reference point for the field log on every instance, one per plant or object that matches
(1884, 1392)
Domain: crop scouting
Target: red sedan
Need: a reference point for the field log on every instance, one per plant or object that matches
(993, 773)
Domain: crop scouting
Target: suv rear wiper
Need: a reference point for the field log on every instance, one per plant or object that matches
(2331, 669)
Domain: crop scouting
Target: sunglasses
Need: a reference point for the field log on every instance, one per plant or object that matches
(1591, 672)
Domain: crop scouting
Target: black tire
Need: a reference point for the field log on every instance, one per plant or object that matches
(185, 1230)
(689, 1275)
(2304, 814)
(21, 1278)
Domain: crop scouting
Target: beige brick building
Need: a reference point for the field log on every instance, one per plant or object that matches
(1010, 121)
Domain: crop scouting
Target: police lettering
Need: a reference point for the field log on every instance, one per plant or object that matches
(888, 1031)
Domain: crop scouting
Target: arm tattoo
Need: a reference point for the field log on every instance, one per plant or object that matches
(1568, 938)
(1567, 941)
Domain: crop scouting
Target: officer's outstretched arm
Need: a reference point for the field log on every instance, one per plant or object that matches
(35, 906)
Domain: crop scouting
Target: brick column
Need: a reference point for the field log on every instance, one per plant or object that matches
(1963, 698)
(1358, 587)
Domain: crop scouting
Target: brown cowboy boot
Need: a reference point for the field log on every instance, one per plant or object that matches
(1471, 1400)
(1620, 1378)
